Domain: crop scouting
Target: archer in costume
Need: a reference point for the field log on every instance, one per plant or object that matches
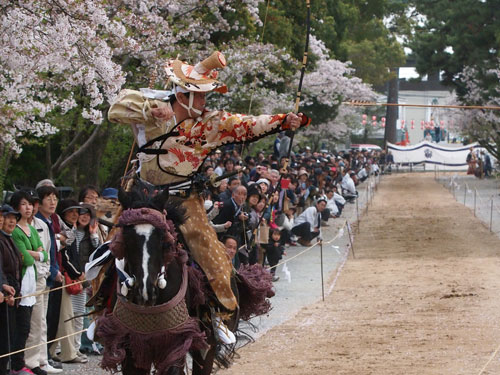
(176, 133)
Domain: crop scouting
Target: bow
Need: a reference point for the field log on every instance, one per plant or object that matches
(299, 89)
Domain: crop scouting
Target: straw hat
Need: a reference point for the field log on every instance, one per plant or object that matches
(198, 78)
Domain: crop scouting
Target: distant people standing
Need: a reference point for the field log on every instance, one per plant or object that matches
(487, 167)
(471, 160)
(389, 159)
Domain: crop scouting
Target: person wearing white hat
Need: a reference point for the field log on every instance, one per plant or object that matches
(176, 133)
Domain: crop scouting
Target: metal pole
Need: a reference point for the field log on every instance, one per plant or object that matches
(491, 214)
(465, 193)
(322, 282)
(350, 238)
(475, 192)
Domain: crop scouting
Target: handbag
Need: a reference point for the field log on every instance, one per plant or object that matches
(72, 289)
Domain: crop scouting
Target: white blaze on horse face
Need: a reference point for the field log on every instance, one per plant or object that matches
(144, 230)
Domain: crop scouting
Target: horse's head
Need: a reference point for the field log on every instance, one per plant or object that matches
(148, 243)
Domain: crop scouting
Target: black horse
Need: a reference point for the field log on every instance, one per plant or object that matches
(164, 306)
(150, 325)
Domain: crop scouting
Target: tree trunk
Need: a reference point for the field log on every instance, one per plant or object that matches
(5, 156)
(48, 160)
(390, 134)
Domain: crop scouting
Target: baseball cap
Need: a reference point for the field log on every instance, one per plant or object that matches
(110, 193)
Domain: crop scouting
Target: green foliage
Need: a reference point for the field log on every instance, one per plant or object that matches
(457, 34)
(115, 155)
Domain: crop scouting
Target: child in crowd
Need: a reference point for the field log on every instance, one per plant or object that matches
(274, 251)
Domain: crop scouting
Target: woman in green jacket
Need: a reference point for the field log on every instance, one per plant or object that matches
(30, 246)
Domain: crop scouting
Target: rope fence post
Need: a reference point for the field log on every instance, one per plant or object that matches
(9, 349)
(491, 215)
(349, 233)
(322, 281)
(465, 193)
(366, 199)
(357, 213)
(475, 194)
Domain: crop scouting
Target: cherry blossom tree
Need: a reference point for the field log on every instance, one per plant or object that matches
(63, 55)
(63, 61)
(480, 87)
(325, 88)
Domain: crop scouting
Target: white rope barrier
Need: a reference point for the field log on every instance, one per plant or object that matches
(44, 343)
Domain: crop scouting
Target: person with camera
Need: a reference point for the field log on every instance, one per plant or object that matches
(232, 210)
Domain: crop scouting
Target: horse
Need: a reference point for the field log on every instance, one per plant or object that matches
(163, 307)
(150, 324)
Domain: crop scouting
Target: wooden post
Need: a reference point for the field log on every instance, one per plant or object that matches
(349, 233)
(491, 215)
(322, 281)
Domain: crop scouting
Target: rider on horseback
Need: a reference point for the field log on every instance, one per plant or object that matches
(175, 134)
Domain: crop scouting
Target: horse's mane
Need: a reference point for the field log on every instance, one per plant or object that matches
(143, 195)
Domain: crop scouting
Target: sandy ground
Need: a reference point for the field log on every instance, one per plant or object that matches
(421, 296)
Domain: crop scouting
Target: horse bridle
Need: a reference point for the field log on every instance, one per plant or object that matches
(157, 219)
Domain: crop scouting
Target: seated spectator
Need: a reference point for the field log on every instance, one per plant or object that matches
(362, 174)
(308, 223)
(287, 225)
(348, 188)
(339, 199)
(331, 205)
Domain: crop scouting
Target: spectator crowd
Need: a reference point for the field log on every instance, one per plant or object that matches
(258, 205)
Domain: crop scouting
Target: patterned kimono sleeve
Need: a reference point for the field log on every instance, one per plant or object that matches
(131, 108)
(237, 128)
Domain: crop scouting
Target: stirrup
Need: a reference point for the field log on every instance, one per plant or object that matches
(222, 333)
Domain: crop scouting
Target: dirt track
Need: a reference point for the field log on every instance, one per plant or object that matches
(421, 297)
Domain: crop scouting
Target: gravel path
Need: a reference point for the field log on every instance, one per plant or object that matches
(421, 296)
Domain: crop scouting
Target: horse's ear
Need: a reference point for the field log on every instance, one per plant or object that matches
(125, 199)
(160, 199)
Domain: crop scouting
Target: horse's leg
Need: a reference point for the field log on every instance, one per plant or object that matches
(204, 366)
(128, 366)
(175, 371)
